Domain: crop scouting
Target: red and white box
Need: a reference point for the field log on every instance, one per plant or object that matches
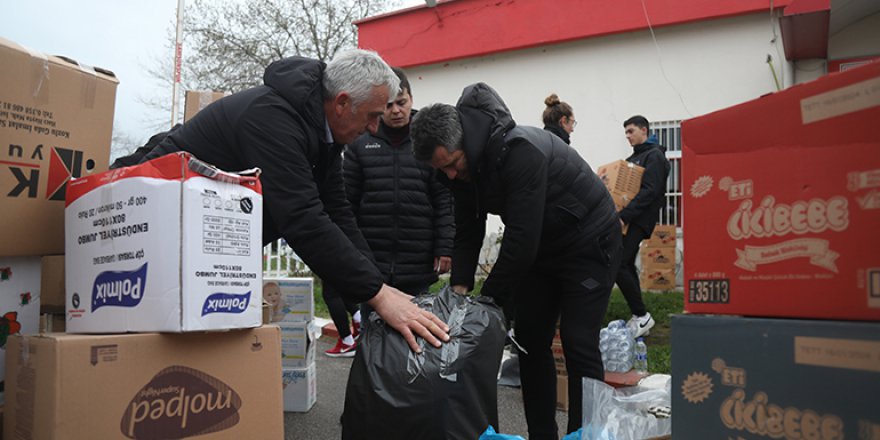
(171, 245)
(782, 203)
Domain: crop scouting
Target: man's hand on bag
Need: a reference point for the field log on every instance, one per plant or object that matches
(442, 264)
(397, 310)
(460, 289)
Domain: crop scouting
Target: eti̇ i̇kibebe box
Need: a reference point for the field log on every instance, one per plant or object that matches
(171, 245)
(782, 203)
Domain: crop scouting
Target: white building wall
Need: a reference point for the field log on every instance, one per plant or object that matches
(702, 67)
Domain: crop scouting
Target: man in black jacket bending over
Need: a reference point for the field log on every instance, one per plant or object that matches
(294, 128)
(561, 245)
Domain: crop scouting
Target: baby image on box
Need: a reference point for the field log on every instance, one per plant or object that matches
(272, 296)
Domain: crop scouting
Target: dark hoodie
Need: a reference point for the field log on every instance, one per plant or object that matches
(280, 127)
(551, 202)
(644, 209)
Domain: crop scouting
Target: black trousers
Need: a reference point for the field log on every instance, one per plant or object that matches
(628, 276)
(574, 288)
(339, 310)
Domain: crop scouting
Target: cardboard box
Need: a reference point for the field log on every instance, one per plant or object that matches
(222, 385)
(52, 323)
(653, 278)
(785, 207)
(559, 359)
(19, 301)
(736, 377)
(562, 393)
(196, 100)
(658, 257)
(300, 388)
(169, 245)
(623, 180)
(52, 284)
(56, 119)
(298, 344)
(662, 236)
(291, 299)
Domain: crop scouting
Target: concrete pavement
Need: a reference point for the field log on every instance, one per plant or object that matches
(322, 421)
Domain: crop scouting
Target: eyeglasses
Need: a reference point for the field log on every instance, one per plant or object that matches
(574, 122)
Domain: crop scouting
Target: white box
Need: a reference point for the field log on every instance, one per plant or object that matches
(291, 299)
(300, 388)
(171, 245)
(297, 344)
(19, 301)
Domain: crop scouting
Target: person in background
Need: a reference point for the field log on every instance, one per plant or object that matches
(294, 127)
(559, 118)
(640, 216)
(402, 209)
(561, 245)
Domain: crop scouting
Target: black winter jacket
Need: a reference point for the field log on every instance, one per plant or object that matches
(644, 209)
(401, 208)
(280, 127)
(559, 131)
(548, 197)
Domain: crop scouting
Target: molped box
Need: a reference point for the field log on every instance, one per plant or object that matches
(171, 245)
(782, 203)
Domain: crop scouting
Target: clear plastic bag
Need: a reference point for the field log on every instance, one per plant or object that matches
(625, 413)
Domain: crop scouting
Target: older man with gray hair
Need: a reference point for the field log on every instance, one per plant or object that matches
(294, 127)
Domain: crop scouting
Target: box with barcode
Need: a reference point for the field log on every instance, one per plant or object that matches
(171, 245)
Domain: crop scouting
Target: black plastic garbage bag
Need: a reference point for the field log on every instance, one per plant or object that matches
(442, 393)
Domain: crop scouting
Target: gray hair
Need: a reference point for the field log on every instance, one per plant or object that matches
(433, 126)
(356, 72)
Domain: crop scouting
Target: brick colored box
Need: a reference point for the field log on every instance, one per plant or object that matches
(782, 210)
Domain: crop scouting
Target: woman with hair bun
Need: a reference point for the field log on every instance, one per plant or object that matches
(559, 118)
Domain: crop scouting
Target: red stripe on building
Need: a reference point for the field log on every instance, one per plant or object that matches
(467, 28)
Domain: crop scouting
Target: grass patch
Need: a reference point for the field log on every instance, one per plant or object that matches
(661, 305)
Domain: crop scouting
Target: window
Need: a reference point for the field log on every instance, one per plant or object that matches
(668, 134)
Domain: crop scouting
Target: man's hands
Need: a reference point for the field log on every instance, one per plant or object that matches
(442, 264)
(460, 289)
(398, 311)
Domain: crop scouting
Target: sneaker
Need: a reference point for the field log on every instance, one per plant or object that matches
(342, 349)
(355, 330)
(640, 325)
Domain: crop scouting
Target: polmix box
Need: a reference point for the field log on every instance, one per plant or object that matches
(782, 213)
(758, 378)
(56, 119)
(290, 299)
(300, 387)
(217, 385)
(169, 245)
(19, 302)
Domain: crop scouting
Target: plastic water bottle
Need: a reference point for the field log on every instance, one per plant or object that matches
(641, 360)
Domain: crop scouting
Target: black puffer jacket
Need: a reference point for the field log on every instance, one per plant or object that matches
(401, 208)
(551, 202)
(280, 127)
(644, 209)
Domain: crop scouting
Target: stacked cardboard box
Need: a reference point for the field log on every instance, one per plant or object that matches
(785, 210)
(196, 100)
(659, 256)
(292, 307)
(171, 245)
(56, 118)
(561, 372)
